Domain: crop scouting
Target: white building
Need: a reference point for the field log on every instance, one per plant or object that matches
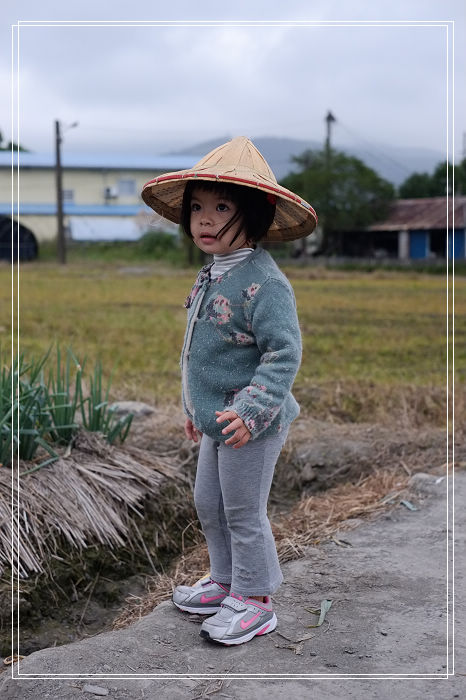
(101, 194)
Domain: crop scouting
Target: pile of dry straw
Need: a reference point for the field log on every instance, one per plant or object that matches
(94, 494)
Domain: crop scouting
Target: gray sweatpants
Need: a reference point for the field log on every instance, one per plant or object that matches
(231, 492)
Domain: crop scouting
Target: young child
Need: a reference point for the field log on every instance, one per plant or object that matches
(241, 353)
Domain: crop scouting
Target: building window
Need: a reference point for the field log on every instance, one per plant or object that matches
(126, 186)
(68, 196)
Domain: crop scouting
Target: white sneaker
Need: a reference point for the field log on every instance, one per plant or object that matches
(203, 598)
(239, 620)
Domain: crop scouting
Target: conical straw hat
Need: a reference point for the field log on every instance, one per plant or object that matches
(239, 162)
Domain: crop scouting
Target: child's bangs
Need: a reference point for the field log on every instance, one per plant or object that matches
(222, 189)
(253, 208)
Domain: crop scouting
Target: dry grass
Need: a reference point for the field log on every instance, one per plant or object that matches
(312, 521)
(385, 331)
(358, 401)
(93, 495)
(316, 518)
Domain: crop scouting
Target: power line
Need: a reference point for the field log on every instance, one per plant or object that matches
(373, 153)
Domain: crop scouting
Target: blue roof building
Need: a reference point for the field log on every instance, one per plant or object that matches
(101, 193)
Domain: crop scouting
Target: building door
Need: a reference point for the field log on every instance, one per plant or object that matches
(459, 236)
(418, 244)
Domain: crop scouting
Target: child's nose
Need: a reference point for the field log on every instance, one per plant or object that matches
(206, 217)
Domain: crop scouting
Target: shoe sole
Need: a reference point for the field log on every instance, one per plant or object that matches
(267, 627)
(200, 611)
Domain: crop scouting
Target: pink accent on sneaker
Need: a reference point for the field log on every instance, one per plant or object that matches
(263, 631)
(209, 599)
(245, 625)
(239, 597)
(255, 602)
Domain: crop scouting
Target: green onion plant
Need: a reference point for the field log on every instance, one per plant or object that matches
(62, 401)
(35, 413)
(97, 415)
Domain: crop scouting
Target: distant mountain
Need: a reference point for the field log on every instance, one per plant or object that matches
(277, 151)
(201, 148)
(392, 163)
(396, 163)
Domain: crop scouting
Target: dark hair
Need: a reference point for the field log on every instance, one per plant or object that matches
(255, 213)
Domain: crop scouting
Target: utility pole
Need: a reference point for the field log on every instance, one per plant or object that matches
(61, 243)
(329, 119)
(327, 242)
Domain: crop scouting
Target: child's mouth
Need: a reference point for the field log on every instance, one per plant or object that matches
(206, 238)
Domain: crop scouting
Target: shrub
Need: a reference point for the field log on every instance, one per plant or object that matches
(158, 244)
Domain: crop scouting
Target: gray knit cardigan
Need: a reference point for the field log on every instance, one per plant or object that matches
(242, 348)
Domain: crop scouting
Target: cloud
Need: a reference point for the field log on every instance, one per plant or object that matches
(167, 86)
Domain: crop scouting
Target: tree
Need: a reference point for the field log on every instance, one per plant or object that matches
(417, 185)
(10, 145)
(435, 185)
(346, 194)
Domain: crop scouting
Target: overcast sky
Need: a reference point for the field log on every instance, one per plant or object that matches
(150, 89)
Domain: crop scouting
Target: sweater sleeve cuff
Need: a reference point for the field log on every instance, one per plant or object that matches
(255, 418)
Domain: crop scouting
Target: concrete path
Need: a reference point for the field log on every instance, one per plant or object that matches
(389, 616)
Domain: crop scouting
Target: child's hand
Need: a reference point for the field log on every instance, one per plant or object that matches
(241, 434)
(191, 432)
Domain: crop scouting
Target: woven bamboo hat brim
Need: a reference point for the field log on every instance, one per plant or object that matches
(238, 162)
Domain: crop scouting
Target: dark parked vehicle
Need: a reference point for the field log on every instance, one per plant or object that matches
(11, 235)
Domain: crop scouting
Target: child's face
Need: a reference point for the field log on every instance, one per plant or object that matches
(209, 214)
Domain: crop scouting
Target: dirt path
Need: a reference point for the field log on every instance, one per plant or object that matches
(388, 616)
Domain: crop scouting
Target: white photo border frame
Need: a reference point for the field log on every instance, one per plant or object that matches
(449, 26)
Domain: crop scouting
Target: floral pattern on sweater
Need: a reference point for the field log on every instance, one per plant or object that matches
(262, 421)
(251, 291)
(219, 309)
(242, 338)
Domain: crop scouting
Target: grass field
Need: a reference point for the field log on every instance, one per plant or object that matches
(379, 331)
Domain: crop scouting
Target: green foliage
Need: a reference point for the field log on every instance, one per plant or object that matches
(420, 185)
(96, 414)
(11, 145)
(158, 244)
(152, 246)
(24, 419)
(35, 413)
(417, 185)
(6, 415)
(162, 246)
(62, 403)
(346, 193)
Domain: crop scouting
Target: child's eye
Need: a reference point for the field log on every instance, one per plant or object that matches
(195, 207)
(222, 207)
